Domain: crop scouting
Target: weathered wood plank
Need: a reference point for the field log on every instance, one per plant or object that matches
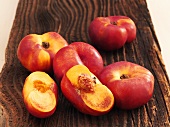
(71, 19)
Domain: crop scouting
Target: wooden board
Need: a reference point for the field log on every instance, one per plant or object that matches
(71, 19)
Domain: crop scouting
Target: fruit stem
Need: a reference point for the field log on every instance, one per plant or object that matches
(124, 76)
(114, 23)
(46, 45)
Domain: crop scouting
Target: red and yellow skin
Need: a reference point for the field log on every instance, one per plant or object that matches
(131, 84)
(74, 54)
(86, 92)
(110, 33)
(36, 52)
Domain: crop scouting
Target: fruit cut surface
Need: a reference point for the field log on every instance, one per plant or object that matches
(42, 101)
(40, 92)
(101, 99)
(93, 93)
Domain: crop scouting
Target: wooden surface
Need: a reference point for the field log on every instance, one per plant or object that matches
(71, 19)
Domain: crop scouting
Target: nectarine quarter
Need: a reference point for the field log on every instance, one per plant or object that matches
(36, 52)
(40, 94)
(131, 84)
(83, 89)
(74, 54)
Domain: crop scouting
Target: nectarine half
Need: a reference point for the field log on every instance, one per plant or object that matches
(40, 94)
(83, 89)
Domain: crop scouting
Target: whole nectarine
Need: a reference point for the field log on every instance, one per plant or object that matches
(131, 84)
(112, 32)
(74, 54)
(36, 52)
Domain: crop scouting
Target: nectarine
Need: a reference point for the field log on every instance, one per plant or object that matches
(74, 54)
(131, 84)
(40, 94)
(36, 52)
(83, 89)
(112, 32)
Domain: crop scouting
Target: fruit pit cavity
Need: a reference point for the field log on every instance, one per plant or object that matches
(86, 82)
(40, 86)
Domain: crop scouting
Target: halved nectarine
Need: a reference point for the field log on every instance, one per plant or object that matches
(86, 92)
(40, 94)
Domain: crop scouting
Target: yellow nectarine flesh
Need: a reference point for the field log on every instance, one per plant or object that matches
(74, 73)
(38, 92)
(101, 99)
(42, 101)
(94, 94)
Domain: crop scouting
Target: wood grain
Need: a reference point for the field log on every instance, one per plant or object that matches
(71, 19)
